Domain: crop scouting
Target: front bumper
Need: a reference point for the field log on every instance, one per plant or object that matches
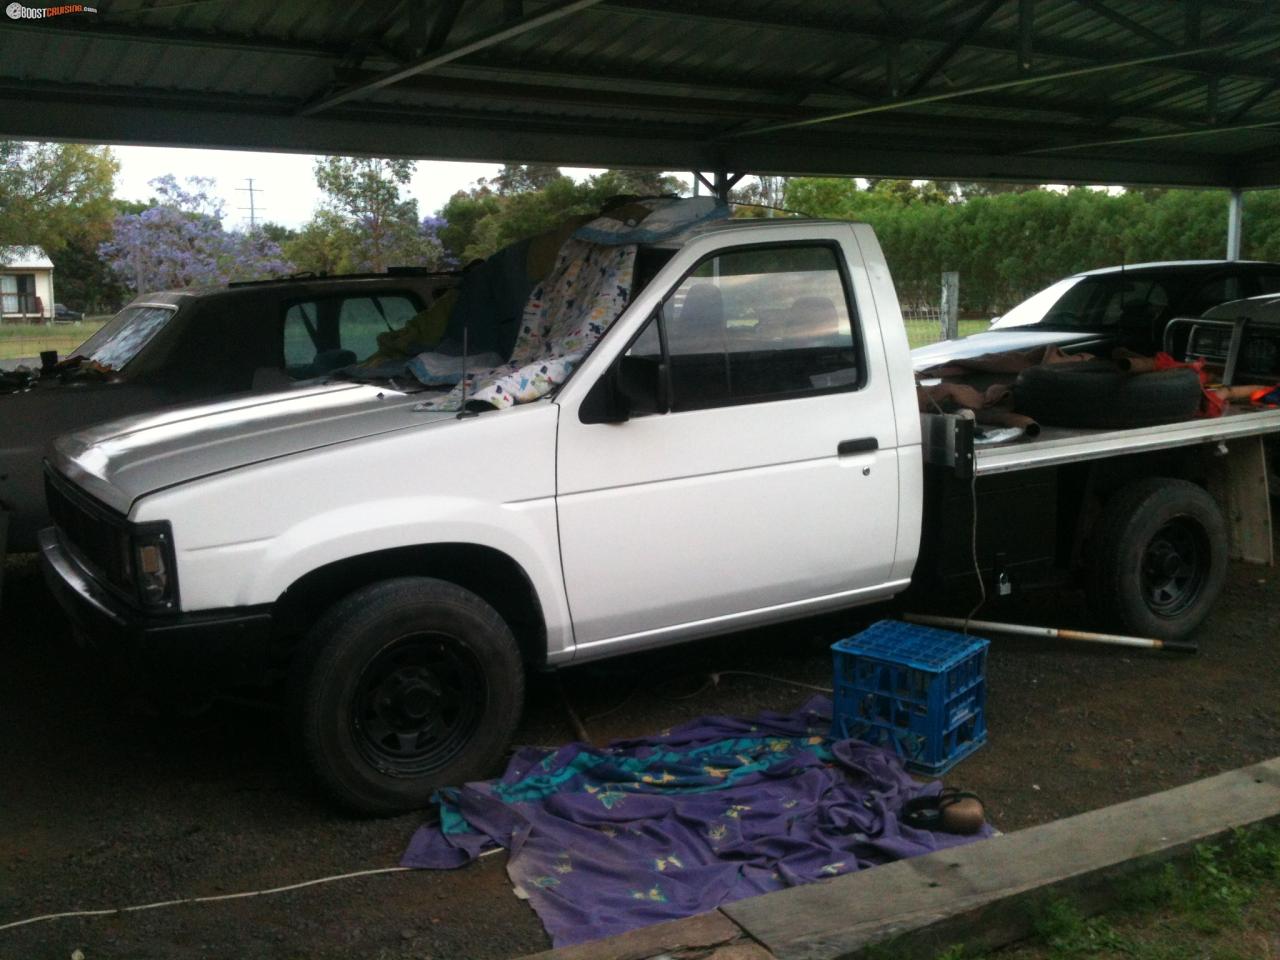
(216, 648)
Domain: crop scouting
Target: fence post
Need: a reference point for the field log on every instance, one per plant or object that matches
(950, 305)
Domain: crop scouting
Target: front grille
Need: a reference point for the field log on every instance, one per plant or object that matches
(97, 535)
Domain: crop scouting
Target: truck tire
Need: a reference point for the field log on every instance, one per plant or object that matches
(1159, 558)
(1097, 394)
(403, 687)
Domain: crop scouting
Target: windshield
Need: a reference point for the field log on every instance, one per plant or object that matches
(124, 335)
(1090, 303)
(1036, 307)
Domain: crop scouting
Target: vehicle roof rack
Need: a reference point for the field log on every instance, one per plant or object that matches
(307, 275)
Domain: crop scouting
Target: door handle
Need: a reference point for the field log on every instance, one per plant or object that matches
(860, 445)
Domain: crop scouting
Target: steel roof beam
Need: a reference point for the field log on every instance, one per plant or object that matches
(442, 25)
(941, 95)
(485, 40)
(624, 102)
(1026, 32)
(949, 51)
(1153, 137)
(214, 123)
(778, 93)
(1265, 91)
(1133, 26)
(908, 128)
(1192, 26)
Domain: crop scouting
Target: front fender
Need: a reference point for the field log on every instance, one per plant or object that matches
(244, 537)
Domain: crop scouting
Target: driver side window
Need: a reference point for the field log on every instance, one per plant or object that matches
(751, 325)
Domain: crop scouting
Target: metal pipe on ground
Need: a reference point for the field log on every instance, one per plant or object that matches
(1052, 633)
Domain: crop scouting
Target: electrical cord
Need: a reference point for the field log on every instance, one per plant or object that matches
(213, 899)
(713, 680)
(218, 898)
(766, 676)
(973, 543)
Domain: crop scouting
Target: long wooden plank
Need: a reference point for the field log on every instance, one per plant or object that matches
(978, 894)
(699, 936)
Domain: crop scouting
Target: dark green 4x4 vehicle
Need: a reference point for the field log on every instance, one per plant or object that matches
(194, 345)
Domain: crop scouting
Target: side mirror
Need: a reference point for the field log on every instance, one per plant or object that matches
(605, 402)
(633, 386)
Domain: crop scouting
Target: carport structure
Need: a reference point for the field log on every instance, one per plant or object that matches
(1174, 92)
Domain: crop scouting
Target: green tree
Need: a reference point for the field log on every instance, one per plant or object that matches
(383, 228)
(758, 196)
(323, 245)
(465, 211)
(53, 192)
(483, 220)
(525, 178)
(277, 232)
(84, 280)
(909, 191)
(628, 181)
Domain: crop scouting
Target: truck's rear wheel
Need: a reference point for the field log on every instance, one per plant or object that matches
(1160, 558)
(405, 686)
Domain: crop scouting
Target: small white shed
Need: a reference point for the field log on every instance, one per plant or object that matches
(26, 285)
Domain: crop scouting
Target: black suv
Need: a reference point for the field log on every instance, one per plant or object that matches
(194, 345)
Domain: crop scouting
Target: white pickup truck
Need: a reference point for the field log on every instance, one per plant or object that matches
(742, 446)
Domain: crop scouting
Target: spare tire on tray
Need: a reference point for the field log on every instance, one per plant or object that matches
(1095, 393)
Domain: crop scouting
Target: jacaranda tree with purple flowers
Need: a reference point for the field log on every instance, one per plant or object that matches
(179, 241)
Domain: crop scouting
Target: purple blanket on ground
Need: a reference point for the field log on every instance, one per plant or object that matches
(603, 840)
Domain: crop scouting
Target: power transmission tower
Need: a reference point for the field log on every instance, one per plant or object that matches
(253, 207)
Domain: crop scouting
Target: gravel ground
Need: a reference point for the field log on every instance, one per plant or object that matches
(101, 805)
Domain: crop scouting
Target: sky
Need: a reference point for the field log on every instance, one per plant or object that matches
(285, 186)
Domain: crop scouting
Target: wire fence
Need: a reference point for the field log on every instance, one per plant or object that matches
(924, 324)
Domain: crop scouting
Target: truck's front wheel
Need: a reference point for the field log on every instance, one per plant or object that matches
(1160, 558)
(402, 687)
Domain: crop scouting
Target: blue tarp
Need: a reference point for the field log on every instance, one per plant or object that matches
(603, 840)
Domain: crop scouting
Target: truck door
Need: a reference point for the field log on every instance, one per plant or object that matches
(755, 476)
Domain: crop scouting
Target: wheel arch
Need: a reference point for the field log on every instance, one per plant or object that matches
(1090, 485)
(487, 572)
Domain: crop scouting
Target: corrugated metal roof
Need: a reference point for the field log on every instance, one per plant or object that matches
(1153, 91)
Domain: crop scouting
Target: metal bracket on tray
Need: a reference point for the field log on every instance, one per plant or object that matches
(948, 442)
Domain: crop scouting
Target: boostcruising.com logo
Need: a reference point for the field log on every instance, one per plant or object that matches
(17, 11)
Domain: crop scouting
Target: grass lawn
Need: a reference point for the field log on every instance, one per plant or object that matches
(1221, 903)
(923, 334)
(28, 339)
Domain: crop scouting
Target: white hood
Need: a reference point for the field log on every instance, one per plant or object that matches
(121, 460)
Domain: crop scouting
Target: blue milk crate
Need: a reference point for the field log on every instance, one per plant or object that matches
(918, 691)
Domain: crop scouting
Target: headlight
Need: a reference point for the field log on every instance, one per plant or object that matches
(153, 570)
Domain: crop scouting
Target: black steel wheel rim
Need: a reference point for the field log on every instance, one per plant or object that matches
(417, 704)
(1175, 566)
